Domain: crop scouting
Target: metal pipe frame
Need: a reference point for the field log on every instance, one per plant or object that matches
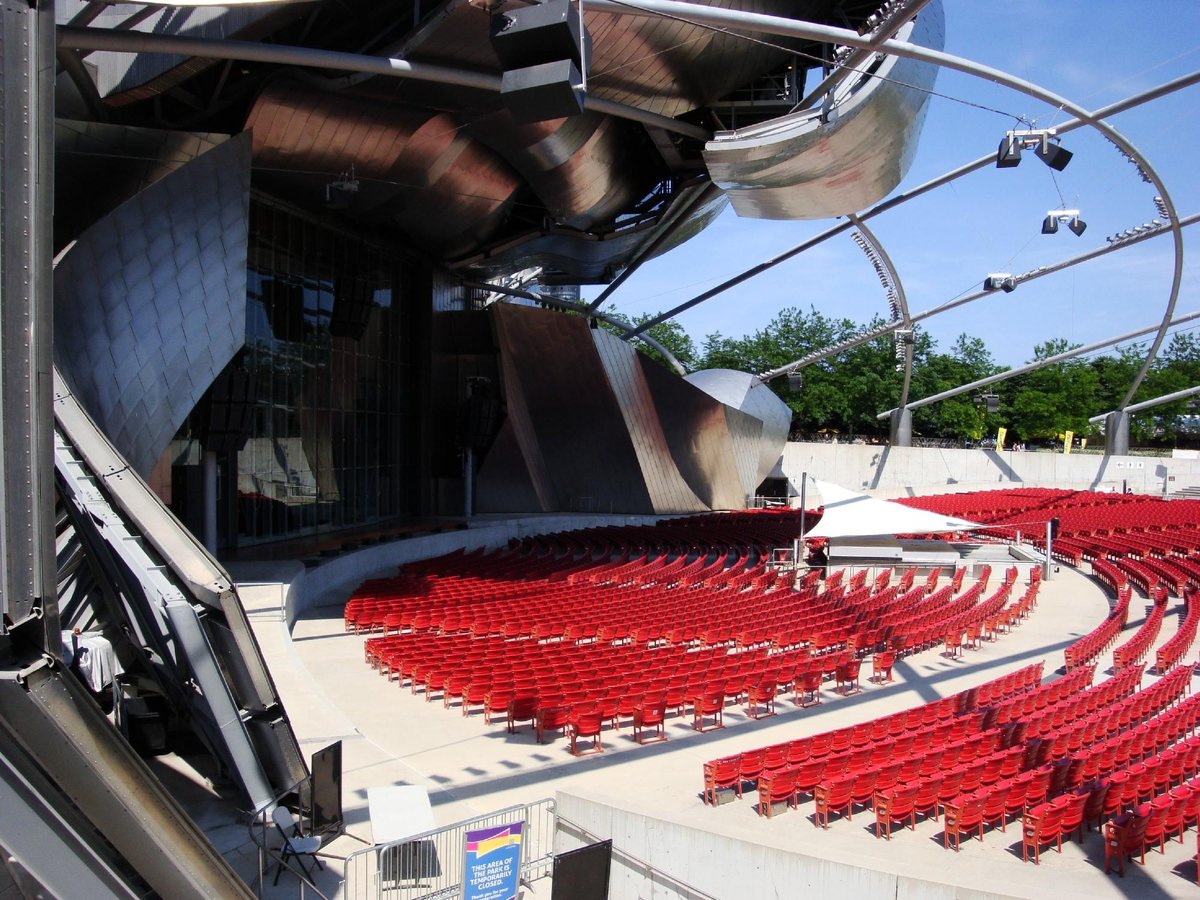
(888, 327)
(137, 42)
(709, 192)
(1113, 109)
(1037, 364)
(901, 298)
(1150, 404)
(583, 309)
(776, 25)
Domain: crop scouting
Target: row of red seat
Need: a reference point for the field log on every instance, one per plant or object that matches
(1134, 650)
(1086, 649)
(1171, 653)
(948, 719)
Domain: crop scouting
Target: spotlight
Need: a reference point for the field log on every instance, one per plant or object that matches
(1002, 282)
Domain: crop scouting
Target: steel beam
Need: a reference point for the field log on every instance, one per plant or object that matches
(207, 48)
(27, 62)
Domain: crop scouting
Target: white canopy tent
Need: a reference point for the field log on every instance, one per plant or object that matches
(851, 514)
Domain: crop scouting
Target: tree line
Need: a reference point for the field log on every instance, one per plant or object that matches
(844, 393)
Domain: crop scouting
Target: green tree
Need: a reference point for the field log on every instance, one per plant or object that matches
(1057, 398)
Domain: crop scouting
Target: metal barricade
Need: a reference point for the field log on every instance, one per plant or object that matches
(431, 865)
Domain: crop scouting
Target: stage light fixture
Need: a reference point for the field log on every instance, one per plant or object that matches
(1044, 143)
(1009, 154)
(1068, 216)
(1002, 281)
(1054, 155)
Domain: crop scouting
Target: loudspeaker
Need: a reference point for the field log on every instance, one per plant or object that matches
(546, 91)
(540, 34)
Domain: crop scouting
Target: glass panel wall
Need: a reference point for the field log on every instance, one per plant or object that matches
(328, 349)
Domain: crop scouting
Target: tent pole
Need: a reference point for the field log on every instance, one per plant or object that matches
(803, 504)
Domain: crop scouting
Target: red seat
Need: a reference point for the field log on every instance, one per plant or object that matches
(761, 695)
(1125, 836)
(895, 805)
(709, 704)
(846, 677)
(651, 714)
(808, 685)
(722, 773)
(583, 725)
(832, 796)
(776, 787)
(1041, 825)
(881, 666)
(963, 815)
(551, 718)
(519, 709)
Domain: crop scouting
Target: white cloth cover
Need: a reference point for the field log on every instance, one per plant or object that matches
(851, 514)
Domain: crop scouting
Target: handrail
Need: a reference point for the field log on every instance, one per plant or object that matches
(688, 891)
(377, 870)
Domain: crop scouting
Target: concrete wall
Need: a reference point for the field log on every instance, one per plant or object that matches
(332, 581)
(655, 859)
(907, 471)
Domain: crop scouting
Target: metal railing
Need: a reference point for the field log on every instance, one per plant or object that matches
(431, 865)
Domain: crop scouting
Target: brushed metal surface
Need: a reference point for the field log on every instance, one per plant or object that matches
(566, 419)
(150, 302)
(416, 169)
(800, 167)
(699, 437)
(669, 491)
(743, 391)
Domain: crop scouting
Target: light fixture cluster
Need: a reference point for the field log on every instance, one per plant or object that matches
(1136, 231)
(904, 338)
(1000, 282)
(890, 9)
(1069, 216)
(1043, 142)
(881, 271)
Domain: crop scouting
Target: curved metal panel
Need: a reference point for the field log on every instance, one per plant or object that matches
(588, 258)
(586, 169)
(416, 169)
(565, 418)
(700, 437)
(817, 165)
(98, 167)
(744, 392)
(150, 302)
(669, 492)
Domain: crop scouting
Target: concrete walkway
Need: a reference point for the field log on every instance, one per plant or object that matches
(391, 736)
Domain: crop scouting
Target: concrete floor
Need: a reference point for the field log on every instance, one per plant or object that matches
(390, 736)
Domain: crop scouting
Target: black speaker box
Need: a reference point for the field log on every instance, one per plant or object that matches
(539, 34)
(547, 91)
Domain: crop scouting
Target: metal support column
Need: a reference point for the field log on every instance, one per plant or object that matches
(210, 502)
(902, 427)
(27, 60)
(1116, 433)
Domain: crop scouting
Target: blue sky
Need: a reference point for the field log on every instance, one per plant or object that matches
(1092, 52)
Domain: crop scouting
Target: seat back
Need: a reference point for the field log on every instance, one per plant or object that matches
(284, 820)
